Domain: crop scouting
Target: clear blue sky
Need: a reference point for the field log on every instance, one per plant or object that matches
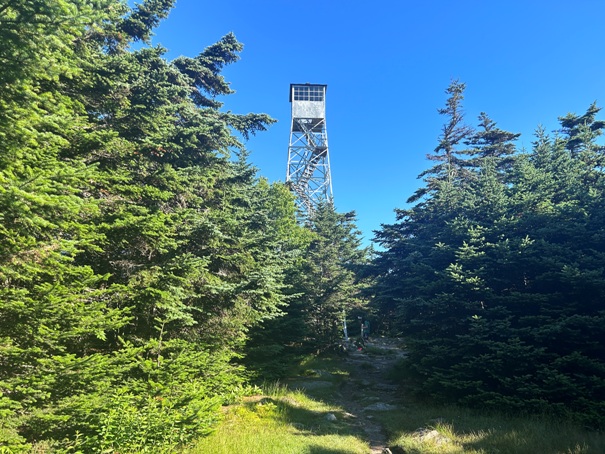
(387, 64)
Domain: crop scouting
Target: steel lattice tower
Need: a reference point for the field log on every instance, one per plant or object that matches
(308, 159)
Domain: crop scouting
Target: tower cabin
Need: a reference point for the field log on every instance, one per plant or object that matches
(308, 109)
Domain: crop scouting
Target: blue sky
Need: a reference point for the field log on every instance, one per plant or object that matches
(387, 64)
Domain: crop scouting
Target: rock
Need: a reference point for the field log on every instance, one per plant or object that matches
(330, 417)
(379, 406)
(431, 435)
(395, 450)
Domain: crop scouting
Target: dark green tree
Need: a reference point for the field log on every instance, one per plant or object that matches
(499, 291)
(324, 286)
(450, 169)
(492, 143)
(329, 283)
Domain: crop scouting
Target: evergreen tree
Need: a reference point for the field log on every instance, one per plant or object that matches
(324, 284)
(492, 143)
(580, 134)
(134, 254)
(499, 292)
(329, 282)
(450, 167)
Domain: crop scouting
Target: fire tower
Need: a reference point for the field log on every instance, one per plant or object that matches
(308, 160)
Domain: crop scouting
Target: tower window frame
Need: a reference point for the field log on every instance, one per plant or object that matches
(308, 93)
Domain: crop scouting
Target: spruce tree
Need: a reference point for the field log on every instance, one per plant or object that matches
(492, 143)
(324, 284)
(134, 254)
(450, 168)
(329, 282)
(498, 291)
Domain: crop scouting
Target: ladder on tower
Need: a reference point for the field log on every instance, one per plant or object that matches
(319, 151)
(308, 170)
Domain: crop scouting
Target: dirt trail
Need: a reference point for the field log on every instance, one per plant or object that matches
(368, 389)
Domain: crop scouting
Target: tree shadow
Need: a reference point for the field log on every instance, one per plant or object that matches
(310, 422)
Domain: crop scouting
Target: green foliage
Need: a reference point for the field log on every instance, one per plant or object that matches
(497, 280)
(329, 283)
(135, 255)
(450, 168)
(324, 285)
(281, 420)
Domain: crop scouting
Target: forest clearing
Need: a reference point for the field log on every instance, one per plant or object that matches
(350, 404)
(159, 294)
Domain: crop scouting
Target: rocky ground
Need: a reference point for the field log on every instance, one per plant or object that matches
(369, 390)
(364, 391)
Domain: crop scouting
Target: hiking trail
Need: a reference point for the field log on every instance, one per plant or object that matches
(366, 390)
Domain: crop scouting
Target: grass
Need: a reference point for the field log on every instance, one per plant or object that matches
(462, 431)
(285, 420)
(282, 421)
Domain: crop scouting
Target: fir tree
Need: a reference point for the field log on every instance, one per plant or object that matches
(493, 287)
(491, 143)
(134, 254)
(450, 168)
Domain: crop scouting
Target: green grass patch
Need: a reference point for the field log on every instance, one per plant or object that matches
(462, 431)
(320, 377)
(282, 422)
(332, 364)
(286, 420)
